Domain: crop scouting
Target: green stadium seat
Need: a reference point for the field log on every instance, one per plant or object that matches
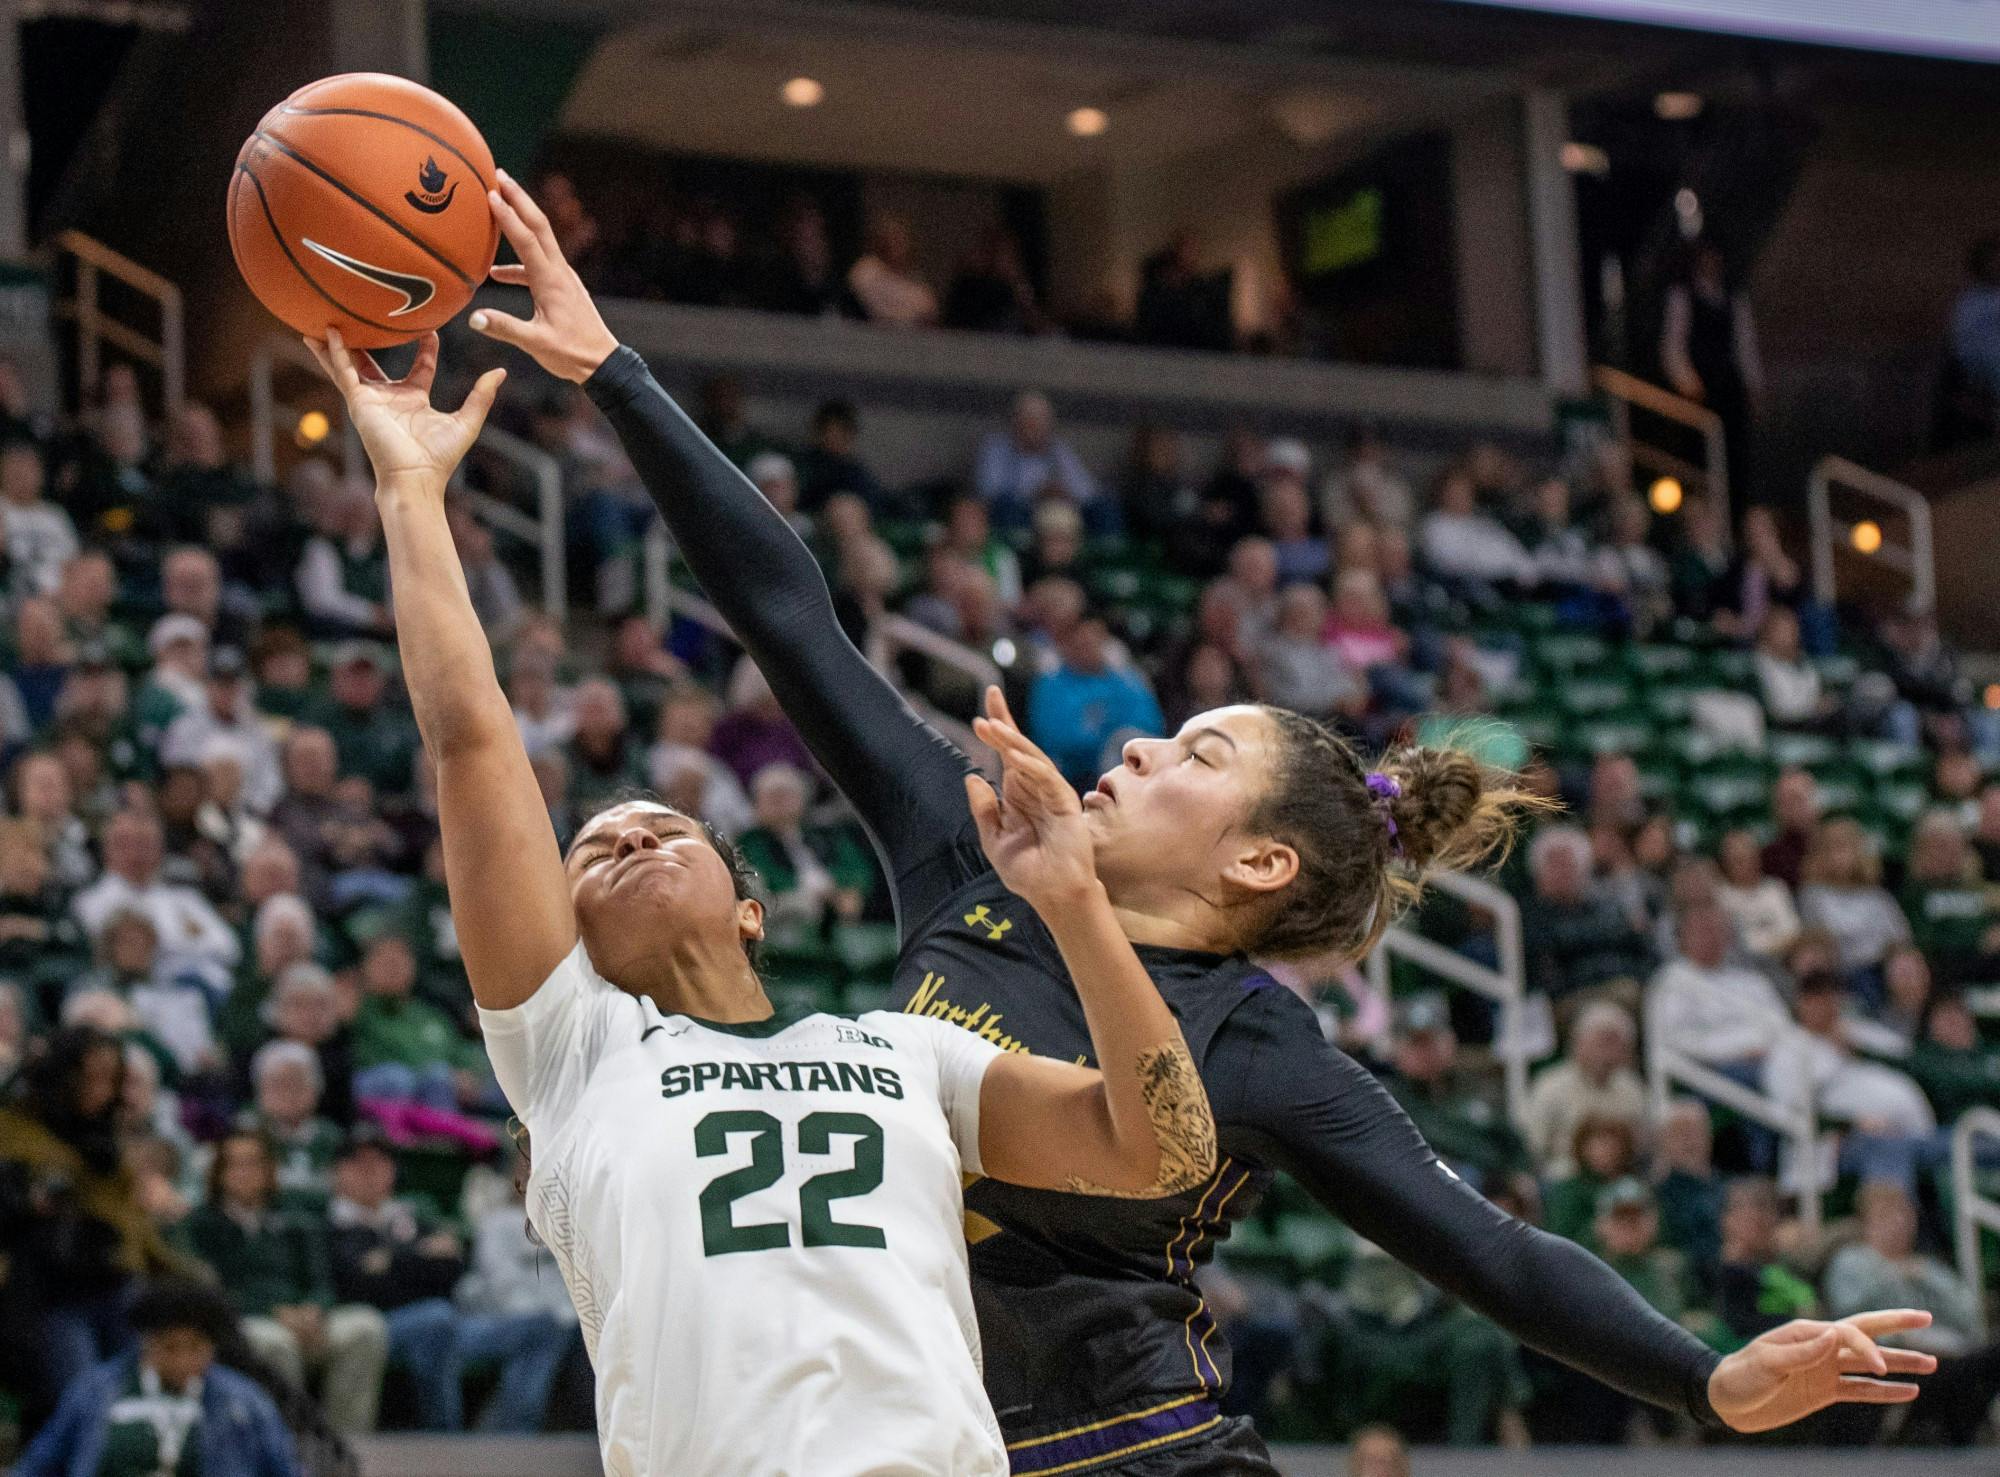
(1317, 1247)
(1901, 800)
(1670, 704)
(866, 949)
(1801, 750)
(1570, 651)
(1617, 733)
(1662, 663)
(1887, 759)
(1838, 670)
(1589, 696)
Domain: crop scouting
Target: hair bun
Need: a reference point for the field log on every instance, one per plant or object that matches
(1445, 816)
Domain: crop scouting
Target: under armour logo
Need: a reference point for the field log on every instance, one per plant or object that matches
(980, 917)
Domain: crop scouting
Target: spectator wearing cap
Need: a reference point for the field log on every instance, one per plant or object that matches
(228, 711)
(777, 478)
(885, 283)
(829, 466)
(1083, 711)
(374, 738)
(389, 1256)
(178, 645)
(1465, 1128)
(1285, 514)
(168, 1406)
(194, 939)
(1595, 1080)
(1884, 1269)
(276, 1267)
(405, 1048)
(1027, 461)
(37, 535)
(286, 1087)
(343, 574)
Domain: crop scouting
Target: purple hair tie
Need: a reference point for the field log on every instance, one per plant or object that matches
(1386, 788)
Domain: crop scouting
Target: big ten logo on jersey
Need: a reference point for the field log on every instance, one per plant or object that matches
(855, 1036)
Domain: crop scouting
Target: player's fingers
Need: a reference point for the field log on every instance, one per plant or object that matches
(340, 363)
(519, 236)
(1856, 1389)
(479, 400)
(1908, 1361)
(984, 804)
(318, 351)
(503, 326)
(996, 704)
(1785, 1356)
(1888, 1320)
(530, 212)
(423, 369)
(367, 368)
(511, 273)
(1856, 1345)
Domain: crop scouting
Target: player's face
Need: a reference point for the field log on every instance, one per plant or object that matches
(1173, 812)
(641, 875)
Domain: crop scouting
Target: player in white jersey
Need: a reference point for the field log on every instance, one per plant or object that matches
(758, 1219)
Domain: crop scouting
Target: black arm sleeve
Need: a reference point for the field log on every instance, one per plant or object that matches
(904, 778)
(1318, 1115)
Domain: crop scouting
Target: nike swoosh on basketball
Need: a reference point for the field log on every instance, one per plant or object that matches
(415, 291)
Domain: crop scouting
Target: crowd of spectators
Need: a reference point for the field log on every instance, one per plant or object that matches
(242, 1046)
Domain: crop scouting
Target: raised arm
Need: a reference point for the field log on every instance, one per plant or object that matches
(510, 898)
(902, 776)
(1137, 1125)
(1333, 1127)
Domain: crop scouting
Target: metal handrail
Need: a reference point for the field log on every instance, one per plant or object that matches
(1627, 390)
(1917, 559)
(1667, 1068)
(1972, 1211)
(1506, 985)
(542, 528)
(167, 353)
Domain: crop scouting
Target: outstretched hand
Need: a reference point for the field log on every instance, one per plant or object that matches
(407, 438)
(1806, 1365)
(566, 335)
(1032, 830)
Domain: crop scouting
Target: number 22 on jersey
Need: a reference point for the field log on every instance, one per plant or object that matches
(720, 1233)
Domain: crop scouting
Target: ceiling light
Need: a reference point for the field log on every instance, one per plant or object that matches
(1867, 536)
(313, 428)
(1678, 107)
(1665, 496)
(803, 92)
(1088, 122)
(1585, 159)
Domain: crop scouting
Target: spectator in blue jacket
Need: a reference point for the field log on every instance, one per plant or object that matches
(1021, 464)
(1076, 711)
(169, 1408)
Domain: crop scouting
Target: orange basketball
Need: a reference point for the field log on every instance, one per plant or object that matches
(360, 202)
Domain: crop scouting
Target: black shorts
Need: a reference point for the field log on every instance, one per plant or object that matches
(1233, 1449)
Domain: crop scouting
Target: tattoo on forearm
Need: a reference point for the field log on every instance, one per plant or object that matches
(1183, 1127)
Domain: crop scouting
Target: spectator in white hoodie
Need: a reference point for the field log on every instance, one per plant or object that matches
(1722, 1015)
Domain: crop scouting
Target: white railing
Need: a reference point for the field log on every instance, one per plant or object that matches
(1668, 1068)
(1914, 558)
(165, 351)
(1627, 391)
(1972, 1210)
(543, 528)
(1505, 985)
(665, 599)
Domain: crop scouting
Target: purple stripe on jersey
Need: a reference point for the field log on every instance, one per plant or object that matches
(1120, 1437)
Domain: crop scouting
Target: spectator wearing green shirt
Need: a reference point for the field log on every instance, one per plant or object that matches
(372, 738)
(404, 1048)
(1953, 912)
(1954, 1067)
(1605, 1150)
(1468, 1130)
(276, 1268)
(285, 1077)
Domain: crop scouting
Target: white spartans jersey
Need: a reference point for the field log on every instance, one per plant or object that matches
(761, 1228)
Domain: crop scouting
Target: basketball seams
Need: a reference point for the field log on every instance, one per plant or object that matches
(298, 156)
(441, 142)
(298, 266)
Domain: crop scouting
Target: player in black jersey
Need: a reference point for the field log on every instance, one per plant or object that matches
(1253, 832)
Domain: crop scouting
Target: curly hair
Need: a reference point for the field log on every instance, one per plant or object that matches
(1363, 851)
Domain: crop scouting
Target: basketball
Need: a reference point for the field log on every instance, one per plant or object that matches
(360, 203)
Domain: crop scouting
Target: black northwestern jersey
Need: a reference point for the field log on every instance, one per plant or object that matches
(1097, 1342)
